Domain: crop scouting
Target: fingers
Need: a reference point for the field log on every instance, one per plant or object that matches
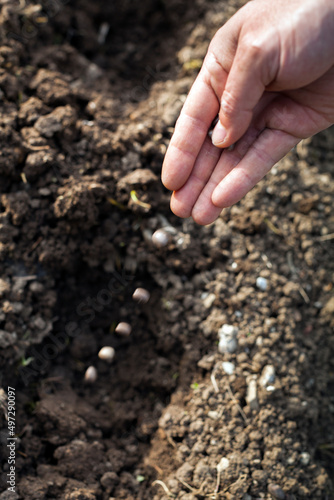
(191, 129)
(204, 211)
(184, 199)
(253, 68)
(268, 149)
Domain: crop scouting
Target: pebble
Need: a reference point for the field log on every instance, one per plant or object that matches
(305, 458)
(251, 396)
(268, 376)
(228, 367)
(160, 238)
(262, 283)
(208, 300)
(276, 492)
(123, 328)
(141, 295)
(107, 353)
(227, 339)
(91, 375)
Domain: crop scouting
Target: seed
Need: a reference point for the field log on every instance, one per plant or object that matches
(141, 295)
(107, 353)
(160, 238)
(123, 328)
(276, 492)
(91, 375)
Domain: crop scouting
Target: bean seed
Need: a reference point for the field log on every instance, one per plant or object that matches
(141, 295)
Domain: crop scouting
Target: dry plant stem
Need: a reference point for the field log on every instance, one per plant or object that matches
(214, 383)
(242, 413)
(325, 237)
(303, 294)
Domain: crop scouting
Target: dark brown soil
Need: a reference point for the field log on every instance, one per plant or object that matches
(90, 92)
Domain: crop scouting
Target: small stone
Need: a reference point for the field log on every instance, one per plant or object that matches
(268, 376)
(44, 191)
(209, 300)
(213, 414)
(305, 458)
(262, 283)
(228, 367)
(91, 375)
(227, 339)
(141, 295)
(7, 339)
(107, 353)
(276, 492)
(251, 396)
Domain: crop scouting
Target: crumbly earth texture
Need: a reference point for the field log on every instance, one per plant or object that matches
(90, 92)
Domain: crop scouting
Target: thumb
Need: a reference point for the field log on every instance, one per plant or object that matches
(253, 68)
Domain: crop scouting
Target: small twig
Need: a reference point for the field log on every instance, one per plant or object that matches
(242, 413)
(214, 382)
(325, 237)
(26, 278)
(218, 482)
(303, 294)
(291, 265)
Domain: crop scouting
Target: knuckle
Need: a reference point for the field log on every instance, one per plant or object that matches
(213, 65)
(229, 104)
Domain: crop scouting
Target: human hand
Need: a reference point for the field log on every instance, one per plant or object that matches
(269, 73)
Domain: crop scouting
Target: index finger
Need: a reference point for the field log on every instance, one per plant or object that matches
(198, 112)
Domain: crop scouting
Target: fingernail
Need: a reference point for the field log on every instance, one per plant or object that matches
(218, 135)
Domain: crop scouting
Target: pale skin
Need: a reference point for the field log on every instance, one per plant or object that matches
(269, 74)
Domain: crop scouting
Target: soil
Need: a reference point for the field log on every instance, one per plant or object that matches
(90, 92)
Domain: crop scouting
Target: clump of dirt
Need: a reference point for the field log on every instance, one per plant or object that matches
(90, 93)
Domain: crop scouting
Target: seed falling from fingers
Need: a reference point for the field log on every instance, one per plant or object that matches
(160, 238)
(91, 375)
(141, 295)
(123, 329)
(107, 353)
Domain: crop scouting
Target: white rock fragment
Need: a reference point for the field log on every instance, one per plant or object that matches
(268, 376)
(251, 396)
(223, 464)
(305, 458)
(227, 339)
(123, 328)
(208, 300)
(213, 414)
(91, 375)
(141, 295)
(262, 283)
(107, 353)
(228, 367)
